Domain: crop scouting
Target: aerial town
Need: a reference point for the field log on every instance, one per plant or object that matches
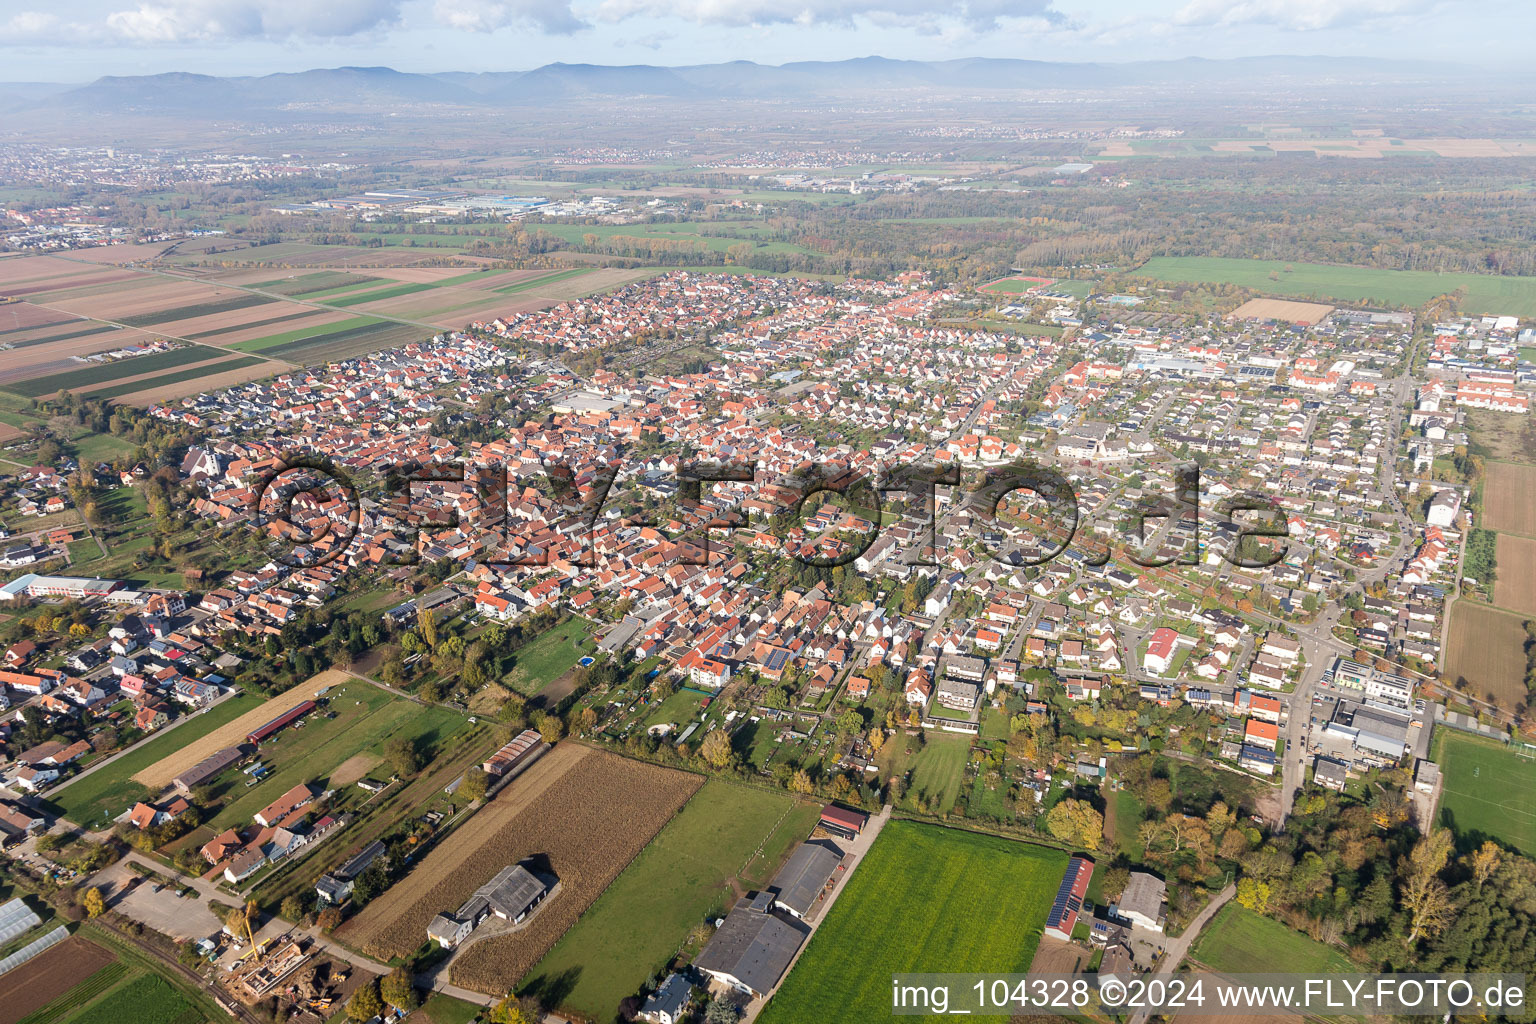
(736, 542)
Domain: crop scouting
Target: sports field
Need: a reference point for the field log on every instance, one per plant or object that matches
(1485, 293)
(925, 899)
(1240, 941)
(1488, 789)
(684, 876)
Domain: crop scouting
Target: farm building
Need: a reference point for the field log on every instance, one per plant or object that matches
(206, 769)
(800, 882)
(522, 748)
(336, 886)
(283, 720)
(511, 895)
(753, 948)
(842, 822)
(1143, 901)
(1069, 899)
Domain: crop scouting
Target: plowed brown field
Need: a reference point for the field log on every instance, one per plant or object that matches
(587, 812)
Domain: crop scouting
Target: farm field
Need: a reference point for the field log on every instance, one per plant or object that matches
(111, 790)
(1240, 941)
(57, 979)
(147, 999)
(1486, 789)
(1485, 293)
(550, 813)
(1288, 310)
(1509, 498)
(84, 377)
(180, 756)
(179, 383)
(689, 872)
(1515, 585)
(365, 718)
(711, 236)
(306, 334)
(1487, 648)
(1016, 285)
(960, 901)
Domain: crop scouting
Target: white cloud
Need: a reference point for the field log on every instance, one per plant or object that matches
(984, 15)
(1296, 15)
(553, 16)
(193, 21)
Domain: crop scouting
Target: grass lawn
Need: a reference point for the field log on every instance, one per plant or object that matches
(93, 448)
(366, 718)
(1487, 790)
(680, 709)
(112, 790)
(681, 879)
(925, 899)
(443, 1009)
(938, 769)
(1485, 292)
(1127, 811)
(988, 800)
(1239, 941)
(549, 656)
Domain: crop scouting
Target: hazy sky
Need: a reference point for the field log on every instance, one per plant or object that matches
(44, 40)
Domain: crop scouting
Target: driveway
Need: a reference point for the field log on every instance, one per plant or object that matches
(1178, 948)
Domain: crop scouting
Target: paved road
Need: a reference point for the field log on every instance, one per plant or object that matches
(1178, 949)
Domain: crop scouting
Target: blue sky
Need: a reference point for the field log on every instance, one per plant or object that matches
(81, 39)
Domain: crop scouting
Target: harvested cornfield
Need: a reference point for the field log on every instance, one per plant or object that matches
(159, 775)
(587, 813)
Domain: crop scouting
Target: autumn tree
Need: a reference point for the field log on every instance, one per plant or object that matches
(475, 783)
(1077, 822)
(716, 749)
(365, 1003)
(426, 622)
(95, 906)
(398, 989)
(551, 728)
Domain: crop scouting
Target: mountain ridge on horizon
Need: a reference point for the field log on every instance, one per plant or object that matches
(186, 92)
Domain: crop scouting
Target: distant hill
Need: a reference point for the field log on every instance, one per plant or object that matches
(351, 87)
